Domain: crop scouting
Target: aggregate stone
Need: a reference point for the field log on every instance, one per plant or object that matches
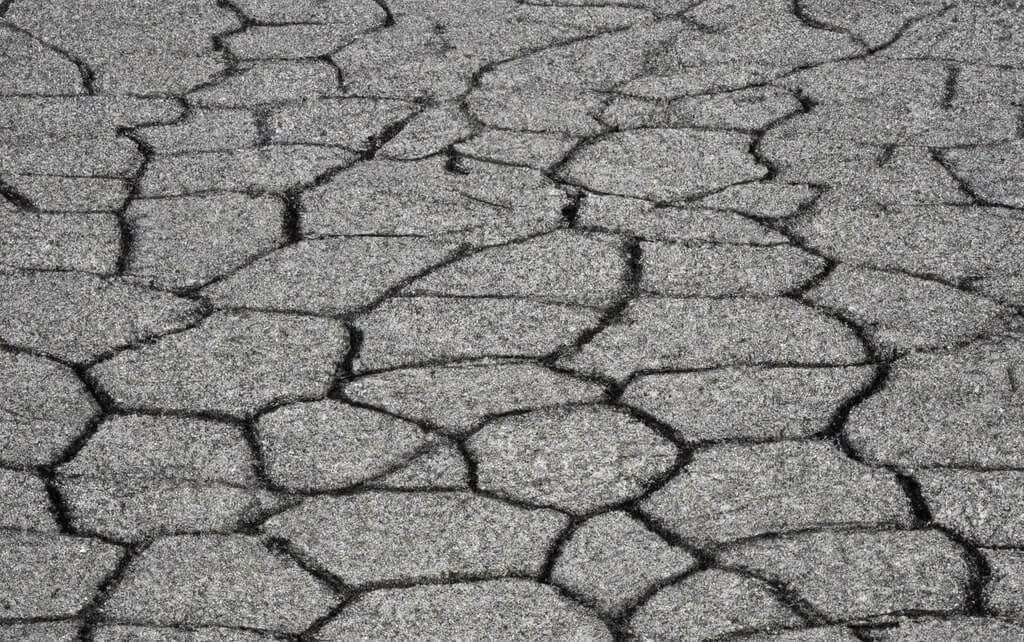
(402, 331)
(982, 506)
(414, 536)
(351, 121)
(457, 397)
(851, 575)
(217, 580)
(562, 266)
(954, 242)
(708, 604)
(325, 444)
(85, 242)
(902, 312)
(44, 408)
(203, 130)
(274, 168)
(479, 203)
(725, 270)
(702, 333)
(537, 150)
(477, 611)
(24, 504)
(51, 576)
(79, 317)
(613, 560)
(262, 82)
(952, 408)
(328, 276)
(1004, 591)
(758, 403)
(232, 362)
(141, 475)
(186, 241)
(663, 164)
(732, 492)
(953, 629)
(670, 224)
(575, 459)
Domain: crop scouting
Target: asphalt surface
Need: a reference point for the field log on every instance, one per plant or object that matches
(511, 320)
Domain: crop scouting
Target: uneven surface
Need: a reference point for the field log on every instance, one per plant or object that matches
(331, 320)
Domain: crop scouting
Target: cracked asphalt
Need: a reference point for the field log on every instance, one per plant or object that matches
(331, 320)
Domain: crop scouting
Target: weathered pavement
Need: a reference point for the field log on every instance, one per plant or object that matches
(466, 320)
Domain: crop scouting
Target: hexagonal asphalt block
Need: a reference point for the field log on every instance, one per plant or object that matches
(732, 492)
(441, 467)
(725, 270)
(758, 403)
(141, 476)
(218, 580)
(233, 362)
(271, 81)
(351, 122)
(24, 503)
(659, 333)
(982, 506)
(515, 609)
(203, 130)
(90, 242)
(562, 266)
(51, 576)
(403, 331)
(330, 276)
(576, 459)
(612, 560)
(664, 164)
(858, 574)
(79, 317)
(708, 604)
(412, 536)
(325, 445)
(455, 398)
(906, 313)
(949, 408)
(1004, 593)
(954, 629)
(816, 634)
(49, 631)
(133, 633)
(45, 407)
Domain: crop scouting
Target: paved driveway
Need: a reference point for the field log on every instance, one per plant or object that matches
(332, 320)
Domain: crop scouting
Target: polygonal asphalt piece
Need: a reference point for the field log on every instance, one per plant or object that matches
(133, 633)
(1004, 593)
(49, 631)
(203, 130)
(732, 492)
(708, 604)
(859, 574)
(663, 164)
(233, 362)
(917, 314)
(702, 333)
(982, 506)
(952, 408)
(217, 580)
(89, 242)
(186, 241)
(816, 634)
(27, 66)
(274, 81)
(329, 276)
(71, 193)
(51, 576)
(953, 629)
(431, 131)
(441, 467)
(561, 266)
(139, 476)
(529, 149)
(456, 397)
(408, 537)
(351, 122)
(24, 504)
(764, 199)
(514, 609)
(402, 331)
(79, 317)
(325, 445)
(756, 403)
(361, 14)
(724, 270)
(576, 459)
(479, 203)
(44, 408)
(612, 560)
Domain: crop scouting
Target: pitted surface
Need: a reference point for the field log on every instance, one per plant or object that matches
(330, 320)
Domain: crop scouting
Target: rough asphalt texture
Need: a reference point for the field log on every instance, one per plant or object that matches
(511, 320)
